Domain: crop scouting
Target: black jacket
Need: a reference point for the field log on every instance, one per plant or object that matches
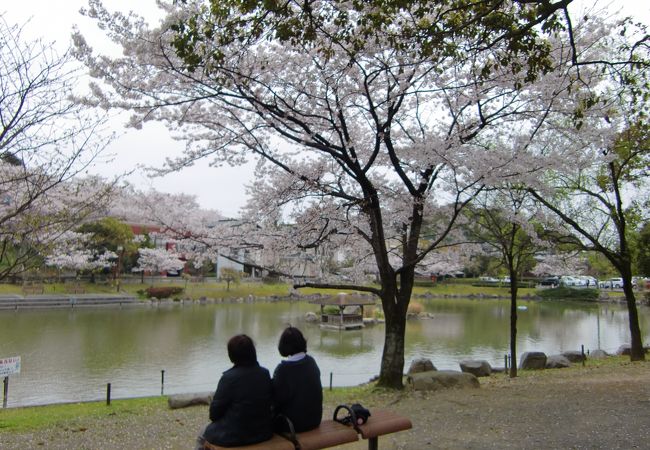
(241, 408)
(298, 393)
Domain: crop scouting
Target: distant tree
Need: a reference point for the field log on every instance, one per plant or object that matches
(230, 275)
(643, 250)
(503, 220)
(73, 252)
(157, 260)
(111, 235)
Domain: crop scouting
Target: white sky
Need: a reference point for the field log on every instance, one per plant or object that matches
(215, 188)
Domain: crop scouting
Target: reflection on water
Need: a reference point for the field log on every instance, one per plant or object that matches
(72, 354)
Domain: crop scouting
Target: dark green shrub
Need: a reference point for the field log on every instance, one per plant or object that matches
(568, 293)
(331, 309)
(163, 291)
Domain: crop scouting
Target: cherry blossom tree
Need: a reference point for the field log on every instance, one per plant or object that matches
(365, 118)
(156, 260)
(602, 206)
(603, 197)
(47, 141)
(567, 263)
(73, 252)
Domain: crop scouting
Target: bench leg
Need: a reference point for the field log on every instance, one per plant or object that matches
(373, 443)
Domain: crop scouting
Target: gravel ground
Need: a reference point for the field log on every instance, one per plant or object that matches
(592, 408)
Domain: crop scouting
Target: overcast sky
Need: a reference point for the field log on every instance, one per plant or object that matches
(216, 188)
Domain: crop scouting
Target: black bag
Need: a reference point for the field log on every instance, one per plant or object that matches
(357, 414)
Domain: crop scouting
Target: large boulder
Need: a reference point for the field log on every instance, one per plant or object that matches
(421, 365)
(533, 361)
(478, 368)
(184, 400)
(598, 354)
(574, 356)
(442, 379)
(557, 362)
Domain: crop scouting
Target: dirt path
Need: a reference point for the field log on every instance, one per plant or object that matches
(593, 408)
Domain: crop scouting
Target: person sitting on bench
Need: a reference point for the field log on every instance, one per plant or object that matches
(240, 411)
(297, 389)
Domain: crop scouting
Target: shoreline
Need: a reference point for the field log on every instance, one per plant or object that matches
(26, 302)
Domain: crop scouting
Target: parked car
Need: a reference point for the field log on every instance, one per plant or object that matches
(550, 281)
(488, 280)
(568, 280)
(588, 281)
(612, 283)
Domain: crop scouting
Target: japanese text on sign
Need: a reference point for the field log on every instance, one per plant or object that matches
(9, 366)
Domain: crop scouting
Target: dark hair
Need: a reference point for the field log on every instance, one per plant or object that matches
(291, 342)
(241, 350)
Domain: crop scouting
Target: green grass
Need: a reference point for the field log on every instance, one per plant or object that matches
(36, 417)
(196, 290)
(467, 290)
(69, 415)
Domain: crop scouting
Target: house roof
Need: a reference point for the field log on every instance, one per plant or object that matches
(344, 300)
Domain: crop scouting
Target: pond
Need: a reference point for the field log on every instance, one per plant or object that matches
(71, 354)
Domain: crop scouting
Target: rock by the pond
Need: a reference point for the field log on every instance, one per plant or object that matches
(421, 365)
(311, 317)
(574, 356)
(533, 361)
(184, 400)
(598, 354)
(624, 349)
(442, 379)
(557, 362)
(478, 368)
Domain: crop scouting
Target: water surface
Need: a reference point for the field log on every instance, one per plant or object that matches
(71, 354)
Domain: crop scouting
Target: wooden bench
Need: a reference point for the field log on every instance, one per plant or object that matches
(331, 433)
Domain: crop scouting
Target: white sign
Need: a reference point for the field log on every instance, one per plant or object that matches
(9, 366)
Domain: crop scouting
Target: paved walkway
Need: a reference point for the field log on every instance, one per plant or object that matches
(14, 301)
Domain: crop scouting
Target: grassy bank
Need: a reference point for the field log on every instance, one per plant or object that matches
(218, 290)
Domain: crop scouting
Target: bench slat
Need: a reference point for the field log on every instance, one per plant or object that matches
(328, 434)
(384, 422)
(275, 443)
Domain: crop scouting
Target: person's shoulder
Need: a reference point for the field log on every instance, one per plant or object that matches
(310, 359)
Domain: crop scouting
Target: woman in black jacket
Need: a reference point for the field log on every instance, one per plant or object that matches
(297, 389)
(240, 411)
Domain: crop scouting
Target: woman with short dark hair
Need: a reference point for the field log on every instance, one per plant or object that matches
(297, 389)
(240, 411)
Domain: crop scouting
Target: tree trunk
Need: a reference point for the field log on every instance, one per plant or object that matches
(637, 352)
(513, 325)
(392, 360)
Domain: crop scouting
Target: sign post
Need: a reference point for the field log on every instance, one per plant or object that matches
(8, 366)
